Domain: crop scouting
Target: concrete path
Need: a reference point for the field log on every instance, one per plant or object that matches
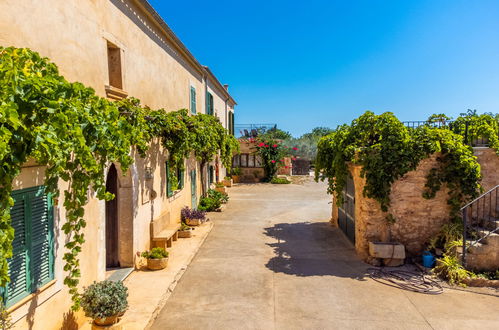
(272, 261)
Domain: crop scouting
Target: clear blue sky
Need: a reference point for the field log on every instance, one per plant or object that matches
(303, 64)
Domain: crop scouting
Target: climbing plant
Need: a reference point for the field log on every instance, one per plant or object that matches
(386, 150)
(76, 134)
(271, 153)
(476, 126)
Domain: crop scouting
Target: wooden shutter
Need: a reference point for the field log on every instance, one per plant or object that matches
(193, 100)
(169, 191)
(209, 104)
(181, 179)
(32, 263)
(41, 239)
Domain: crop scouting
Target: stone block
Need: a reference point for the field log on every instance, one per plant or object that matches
(386, 250)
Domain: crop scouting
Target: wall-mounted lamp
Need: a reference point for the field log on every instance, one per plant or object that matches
(149, 174)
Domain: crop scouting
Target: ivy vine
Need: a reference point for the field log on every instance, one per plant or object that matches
(76, 134)
(386, 149)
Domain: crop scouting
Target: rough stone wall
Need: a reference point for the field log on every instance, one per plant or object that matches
(489, 163)
(417, 219)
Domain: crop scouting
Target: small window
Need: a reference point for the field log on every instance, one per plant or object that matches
(244, 160)
(211, 171)
(236, 161)
(114, 66)
(251, 160)
(193, 100)
(209, 104)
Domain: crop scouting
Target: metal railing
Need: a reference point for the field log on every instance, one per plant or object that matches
(252, 130)
(480, 219)
(470, 135)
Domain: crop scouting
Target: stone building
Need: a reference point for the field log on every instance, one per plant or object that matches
(119, 48)
(416, 219)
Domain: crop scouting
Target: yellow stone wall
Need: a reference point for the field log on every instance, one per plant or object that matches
(74, 35)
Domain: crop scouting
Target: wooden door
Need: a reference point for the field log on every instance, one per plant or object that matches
(112, 259)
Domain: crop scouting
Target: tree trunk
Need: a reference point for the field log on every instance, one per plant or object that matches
(203, 179)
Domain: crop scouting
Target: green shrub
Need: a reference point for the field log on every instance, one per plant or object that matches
(219, 185)
(155, 253)
(280, 181)
(209, 204)
(451, 270)
(217, 195)
(236, 171)
(104, 299)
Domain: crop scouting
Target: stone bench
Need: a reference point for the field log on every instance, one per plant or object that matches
(163, 233)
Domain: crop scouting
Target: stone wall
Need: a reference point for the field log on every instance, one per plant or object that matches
(417, 219)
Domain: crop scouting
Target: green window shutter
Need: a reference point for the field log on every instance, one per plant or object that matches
(41, 239)
(32, 264)
(210, 98)
(169, 191)
(181, 179)
(193, 100)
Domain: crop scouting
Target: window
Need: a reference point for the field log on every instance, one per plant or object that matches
(193, 100)
(231, 123)
(209, 104)
(32, 264)
(114, 66)
(246, 160)
(174, 179)
(211, 170)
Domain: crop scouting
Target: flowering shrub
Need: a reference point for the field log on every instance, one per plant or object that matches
(271, 153)
(188, 213)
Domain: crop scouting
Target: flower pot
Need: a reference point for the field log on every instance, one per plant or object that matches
(193, 222)
(227, 183)
(157, 264)
(223, 190)
(185, 233)
(235, 179)
(107, 321)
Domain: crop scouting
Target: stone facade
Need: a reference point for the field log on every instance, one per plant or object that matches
(85, 39)
(417, 219)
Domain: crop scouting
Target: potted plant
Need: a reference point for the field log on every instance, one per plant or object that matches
(227, 181)
(105, 302)
(157, 258)
(193, 217)
(236, 173)
(185, 231)
(220, 187)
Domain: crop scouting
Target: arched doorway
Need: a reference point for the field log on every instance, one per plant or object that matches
(112, 253)
(346, 212)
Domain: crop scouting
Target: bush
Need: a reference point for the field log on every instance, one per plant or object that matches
(209, 204)
(155, 253)
(188, 213)
(236, 171)
(279, 181)
(451, 270)
(219, 185)
(223, 198)
(104, 299)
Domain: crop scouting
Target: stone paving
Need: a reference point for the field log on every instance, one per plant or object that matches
(272, 261)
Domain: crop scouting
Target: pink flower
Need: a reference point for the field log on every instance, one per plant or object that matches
(261, 144)
(273, 161)
(275, 145)
(286, 166)
(295, 148)
(266, 146)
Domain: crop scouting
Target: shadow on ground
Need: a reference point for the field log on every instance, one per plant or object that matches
(313, 249)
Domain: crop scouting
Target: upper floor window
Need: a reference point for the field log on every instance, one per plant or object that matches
(209, 104)
(114, 66)
(193, 100)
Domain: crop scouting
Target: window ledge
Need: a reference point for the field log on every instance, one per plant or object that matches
(30, 296)
(115, 93)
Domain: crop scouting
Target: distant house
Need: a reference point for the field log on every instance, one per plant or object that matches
(120, 48)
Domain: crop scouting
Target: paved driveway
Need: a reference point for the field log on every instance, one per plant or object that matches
(273, 262)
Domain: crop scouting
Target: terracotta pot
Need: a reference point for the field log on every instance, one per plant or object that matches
(235, 178)
(106, 321)
(227, 183)
(193, 222)
(185, 233)
(223, 190)
(157, 264)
